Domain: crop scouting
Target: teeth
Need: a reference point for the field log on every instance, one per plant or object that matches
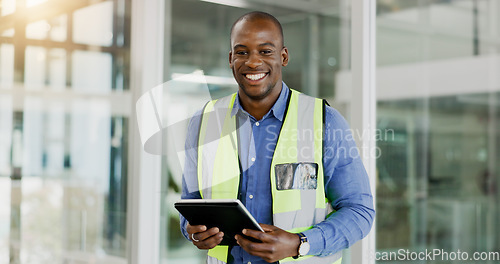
(255, 77)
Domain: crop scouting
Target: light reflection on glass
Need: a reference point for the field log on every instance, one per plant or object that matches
(30, 3)
(6, 66)
(34, 76)
(8, 7)
(93, 25)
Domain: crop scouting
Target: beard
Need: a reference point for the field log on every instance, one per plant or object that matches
(262, 93)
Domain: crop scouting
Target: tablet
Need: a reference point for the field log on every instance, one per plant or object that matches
(230, 216)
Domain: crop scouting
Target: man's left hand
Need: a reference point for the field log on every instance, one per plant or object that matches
(276, 243)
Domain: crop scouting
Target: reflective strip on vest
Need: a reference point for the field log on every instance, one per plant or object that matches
(300, 141)
(213, 260)
(218, 167)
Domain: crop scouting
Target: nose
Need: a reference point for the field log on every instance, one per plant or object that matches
(253, 61)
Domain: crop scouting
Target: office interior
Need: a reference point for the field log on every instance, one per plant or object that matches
(68, 165)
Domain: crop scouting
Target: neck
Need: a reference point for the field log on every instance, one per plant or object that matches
(259, 107)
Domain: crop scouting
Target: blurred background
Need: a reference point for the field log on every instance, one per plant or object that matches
(67, 101)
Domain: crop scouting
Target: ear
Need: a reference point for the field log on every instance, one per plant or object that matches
(284, 56)
(230, 59)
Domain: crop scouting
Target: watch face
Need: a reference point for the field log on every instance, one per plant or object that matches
(304, 248)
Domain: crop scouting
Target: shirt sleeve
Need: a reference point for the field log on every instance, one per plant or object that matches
(190, 188)
(347, 188)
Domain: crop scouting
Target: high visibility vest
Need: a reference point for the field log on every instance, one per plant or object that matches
(300, 141)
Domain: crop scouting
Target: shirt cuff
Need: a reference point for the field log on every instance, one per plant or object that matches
(316, 241)
(184, 232)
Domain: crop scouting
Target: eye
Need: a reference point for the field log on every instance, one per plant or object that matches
(266, 52)
(241, 53)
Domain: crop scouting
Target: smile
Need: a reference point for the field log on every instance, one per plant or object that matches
(255, 77)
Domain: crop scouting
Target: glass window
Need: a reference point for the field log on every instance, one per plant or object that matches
(6, 66)
(34, 71)
(438, 174)
(43, 29)
(93, 25)
(8, 7)
(91, 71)
(63, 137)
(37, 30)
(30, 3)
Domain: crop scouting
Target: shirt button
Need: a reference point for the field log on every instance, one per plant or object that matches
(257, 123)
(250, 196)
(253, 159)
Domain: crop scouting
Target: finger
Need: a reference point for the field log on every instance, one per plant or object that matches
(256, 249)
(210, 242)
(191, 229)
(204, 235)
(264, 237)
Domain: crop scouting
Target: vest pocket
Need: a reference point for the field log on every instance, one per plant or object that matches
(302, 176)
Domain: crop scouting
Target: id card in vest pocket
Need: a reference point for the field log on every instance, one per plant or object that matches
(301, 176)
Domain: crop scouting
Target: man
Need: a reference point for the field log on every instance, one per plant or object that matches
(250, 144)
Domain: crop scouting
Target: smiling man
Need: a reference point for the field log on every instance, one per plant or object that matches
(288, 157)
(256, 58)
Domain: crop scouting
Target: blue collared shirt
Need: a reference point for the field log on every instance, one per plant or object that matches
(346, 181)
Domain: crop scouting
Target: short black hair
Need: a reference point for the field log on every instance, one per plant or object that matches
(259, 15)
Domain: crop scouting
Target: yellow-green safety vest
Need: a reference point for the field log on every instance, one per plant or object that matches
(300, 141)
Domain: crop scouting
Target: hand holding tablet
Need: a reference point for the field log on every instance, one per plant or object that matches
(229, 216)
(203, 238)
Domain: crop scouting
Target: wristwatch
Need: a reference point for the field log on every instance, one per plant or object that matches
(303, 247)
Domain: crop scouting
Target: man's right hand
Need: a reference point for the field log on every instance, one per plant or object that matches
(207, 239)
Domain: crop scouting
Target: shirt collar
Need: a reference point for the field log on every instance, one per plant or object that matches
(278, 109)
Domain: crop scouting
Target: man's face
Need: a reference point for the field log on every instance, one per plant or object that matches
(256, 57)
